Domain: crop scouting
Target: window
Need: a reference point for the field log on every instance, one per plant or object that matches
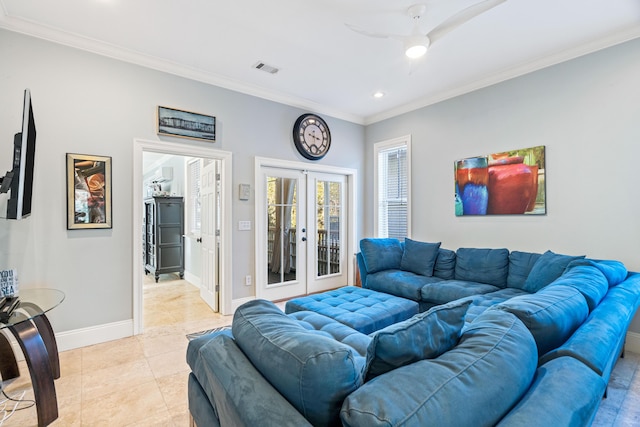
(193, 196)
(392, 171)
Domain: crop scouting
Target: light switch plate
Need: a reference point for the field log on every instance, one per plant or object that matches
(244, 192)
(244, 225)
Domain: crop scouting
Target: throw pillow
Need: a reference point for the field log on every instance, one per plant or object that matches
(548, 268)
(445, 267)
(520, 265)
(419, 257)
(424, 336)
(381, 254)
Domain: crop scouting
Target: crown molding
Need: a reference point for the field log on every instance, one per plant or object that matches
(116, 52)
(119, 53)
(510, 73)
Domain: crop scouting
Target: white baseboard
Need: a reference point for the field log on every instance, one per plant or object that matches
(84, 337)
(193, 279)
(633, 342)
(78, 338)
(238, 302)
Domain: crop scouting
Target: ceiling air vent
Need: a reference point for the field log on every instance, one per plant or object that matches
(265, 67)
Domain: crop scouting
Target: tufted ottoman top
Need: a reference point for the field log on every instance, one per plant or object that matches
(364, 310)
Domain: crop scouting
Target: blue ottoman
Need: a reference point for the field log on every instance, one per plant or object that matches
(364, 310)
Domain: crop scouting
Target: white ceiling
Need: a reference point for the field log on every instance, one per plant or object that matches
(324, 66)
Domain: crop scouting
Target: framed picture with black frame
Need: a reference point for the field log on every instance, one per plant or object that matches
(186, 124)
(88, 191)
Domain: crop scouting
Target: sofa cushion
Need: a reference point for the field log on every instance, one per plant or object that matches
(424, 336)
(496, 352)
(381, 254)
(401, 283)
(614, 271)
(547, 268)
(588, 280)
(599, 341)
(450, 290)
(313, 372)
(445, 267)
(239, 394)
(482, 302)
(564, 393)
(481, 265)
(419, 257)
(520, 265)
(551, 314)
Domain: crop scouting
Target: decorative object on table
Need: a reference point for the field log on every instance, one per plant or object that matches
(506, 183)
(9, 283)
(186, 124)
(311, 136)
(88, 191)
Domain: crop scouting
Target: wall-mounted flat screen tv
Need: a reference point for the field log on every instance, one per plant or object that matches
(19, 180)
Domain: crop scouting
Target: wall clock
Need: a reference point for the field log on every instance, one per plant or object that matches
(311, 136)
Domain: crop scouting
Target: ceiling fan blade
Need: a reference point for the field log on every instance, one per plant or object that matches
(372, 34)
(461, 17)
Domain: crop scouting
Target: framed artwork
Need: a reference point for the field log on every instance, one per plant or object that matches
(88, 191)
(186, 124)
(507, 183)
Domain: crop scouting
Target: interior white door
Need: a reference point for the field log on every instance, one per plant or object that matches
(283, 267)
(209, 222)
(326, 233)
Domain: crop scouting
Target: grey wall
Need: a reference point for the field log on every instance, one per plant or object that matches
(89, 104)
(587, 114)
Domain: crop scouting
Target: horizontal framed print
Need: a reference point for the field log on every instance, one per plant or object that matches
(88, 191)
(186, 124)
(506, 183)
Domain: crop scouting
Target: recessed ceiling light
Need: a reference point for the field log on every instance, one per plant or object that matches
(378, 94)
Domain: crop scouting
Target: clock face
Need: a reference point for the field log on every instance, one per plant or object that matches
(311, 136)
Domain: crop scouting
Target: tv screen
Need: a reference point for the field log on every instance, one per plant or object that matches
(19, 180)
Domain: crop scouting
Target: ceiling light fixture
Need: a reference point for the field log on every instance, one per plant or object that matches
(378, 94)
(415, 47)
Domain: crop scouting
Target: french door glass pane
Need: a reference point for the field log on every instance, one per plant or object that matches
(328, 213)
(281, 229)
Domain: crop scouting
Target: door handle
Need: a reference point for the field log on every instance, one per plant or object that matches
(199, 240)
(304, 239)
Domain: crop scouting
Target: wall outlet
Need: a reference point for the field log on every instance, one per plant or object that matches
(247, 280)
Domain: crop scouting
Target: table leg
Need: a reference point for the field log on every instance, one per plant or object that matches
(8, 364)
(48, 336)
(35, 353)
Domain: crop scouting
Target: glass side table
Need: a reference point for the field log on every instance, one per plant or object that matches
(31, 328)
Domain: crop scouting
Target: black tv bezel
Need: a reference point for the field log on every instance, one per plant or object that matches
(21, 175)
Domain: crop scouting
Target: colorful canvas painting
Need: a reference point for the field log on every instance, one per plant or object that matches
(507, 183)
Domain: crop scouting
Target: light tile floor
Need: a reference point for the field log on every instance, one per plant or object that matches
(142, 380)
(135, 381)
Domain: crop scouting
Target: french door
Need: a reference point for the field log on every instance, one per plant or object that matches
(303, 226)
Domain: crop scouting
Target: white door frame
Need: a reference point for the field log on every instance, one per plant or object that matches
(182, 149)
(260, 234)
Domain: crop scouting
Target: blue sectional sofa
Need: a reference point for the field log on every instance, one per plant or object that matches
(502, 338)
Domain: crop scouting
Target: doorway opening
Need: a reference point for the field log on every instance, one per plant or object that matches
(221, 219)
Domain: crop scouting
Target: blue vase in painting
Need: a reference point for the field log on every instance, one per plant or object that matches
(472, 178)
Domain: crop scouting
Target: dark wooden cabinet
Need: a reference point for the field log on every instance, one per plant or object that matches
(163, 242)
